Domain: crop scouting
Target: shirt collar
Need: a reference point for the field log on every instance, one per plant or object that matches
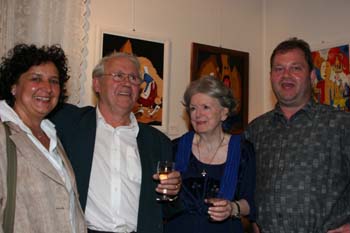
(133, 126)
(8, 114)
(309, 110)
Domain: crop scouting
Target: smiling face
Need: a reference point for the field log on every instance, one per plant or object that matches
(116, 97)
(36, 92)
(206, 113)
(291, 79)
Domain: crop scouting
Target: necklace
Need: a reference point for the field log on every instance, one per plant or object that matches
(38, 134)
(204, 172)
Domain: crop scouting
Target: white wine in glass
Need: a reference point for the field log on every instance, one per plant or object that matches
(163, 169)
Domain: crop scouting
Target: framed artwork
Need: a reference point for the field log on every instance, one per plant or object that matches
(232, 68)
(332, 85)
(153, 55)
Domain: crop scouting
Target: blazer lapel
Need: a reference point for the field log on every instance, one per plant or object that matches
(67, 165)
(32, 154)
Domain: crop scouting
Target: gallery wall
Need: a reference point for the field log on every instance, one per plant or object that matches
(321, 23)
(253, 26)
(224, 23)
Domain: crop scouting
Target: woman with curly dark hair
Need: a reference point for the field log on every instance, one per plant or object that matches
(32, 83)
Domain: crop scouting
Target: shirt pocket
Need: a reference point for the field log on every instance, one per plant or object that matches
(133, 165)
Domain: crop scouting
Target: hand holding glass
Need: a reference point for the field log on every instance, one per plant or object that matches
(163, 169)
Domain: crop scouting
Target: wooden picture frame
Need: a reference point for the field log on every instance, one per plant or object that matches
(232, 67)
(153, 55)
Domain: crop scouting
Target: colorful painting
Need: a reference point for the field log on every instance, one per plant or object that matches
(232, 68)
(150, 107)
(332, 85)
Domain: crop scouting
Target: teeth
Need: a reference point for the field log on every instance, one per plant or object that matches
(42, 98)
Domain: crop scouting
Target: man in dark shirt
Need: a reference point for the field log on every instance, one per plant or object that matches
(302, 152)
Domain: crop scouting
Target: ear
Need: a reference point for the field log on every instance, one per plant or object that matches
(96, 84)
(224, 114)
(313, 76)
(14, 89)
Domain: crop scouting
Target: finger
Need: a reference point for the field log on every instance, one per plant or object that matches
(171, 181)
(174, 174)
(171, 189)
(155, 176)
(220, 202)
(218, 216)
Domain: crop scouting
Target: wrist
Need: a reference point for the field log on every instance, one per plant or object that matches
(236, 209)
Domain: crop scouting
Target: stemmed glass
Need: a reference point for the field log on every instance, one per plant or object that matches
(211, 195)
(163, 169)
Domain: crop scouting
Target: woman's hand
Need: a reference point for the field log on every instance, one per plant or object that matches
(220, 209)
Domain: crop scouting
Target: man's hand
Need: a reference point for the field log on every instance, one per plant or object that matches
(170, 186)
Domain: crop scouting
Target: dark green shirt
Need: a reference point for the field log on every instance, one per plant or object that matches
(303, 169)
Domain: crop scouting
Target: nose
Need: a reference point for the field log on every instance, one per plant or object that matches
(46, 85)
(198, 112)
(286, 71)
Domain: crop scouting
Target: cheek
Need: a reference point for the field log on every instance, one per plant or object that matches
(56, 89)
(136, 91)
(192, 115)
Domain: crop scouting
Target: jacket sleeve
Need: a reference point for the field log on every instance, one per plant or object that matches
(247, 177)
(3, 175)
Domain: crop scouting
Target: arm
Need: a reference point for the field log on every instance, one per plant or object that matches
(243, 205)
(3, 175)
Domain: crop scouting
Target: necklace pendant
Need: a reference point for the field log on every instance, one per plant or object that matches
(204, 173)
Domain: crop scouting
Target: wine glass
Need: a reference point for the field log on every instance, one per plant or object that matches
(163, 169)
(211, 195)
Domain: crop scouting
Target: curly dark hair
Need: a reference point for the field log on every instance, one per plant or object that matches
(21, 58)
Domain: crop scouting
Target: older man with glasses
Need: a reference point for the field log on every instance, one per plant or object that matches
(114, 157)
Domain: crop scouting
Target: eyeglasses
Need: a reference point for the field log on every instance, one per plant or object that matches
(293, 69)
(120, 77)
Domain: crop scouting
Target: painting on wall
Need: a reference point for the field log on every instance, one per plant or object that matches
(232, 68)
(151, 107)
(332, 85)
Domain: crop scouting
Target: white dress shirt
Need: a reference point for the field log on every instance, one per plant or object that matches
(115, 180)
(8, 114)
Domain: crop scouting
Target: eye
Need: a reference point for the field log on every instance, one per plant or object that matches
(119, 75)
(54, 81)
(296, 68)
(192, 109)
(36, 78)
(132, 77)
(206, 107)
(278, 69)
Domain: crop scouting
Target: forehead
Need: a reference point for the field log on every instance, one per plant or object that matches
(201, 99)
(121, 63)
(47, 67)
(289, 56)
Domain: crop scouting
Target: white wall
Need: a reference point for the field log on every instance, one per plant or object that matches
(254, 26)
(233, 24)
(321, 23)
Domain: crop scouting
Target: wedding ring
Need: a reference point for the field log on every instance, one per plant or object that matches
(176, 186)
(164, 191)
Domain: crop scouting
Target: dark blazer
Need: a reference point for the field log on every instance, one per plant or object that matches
(76, 128)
